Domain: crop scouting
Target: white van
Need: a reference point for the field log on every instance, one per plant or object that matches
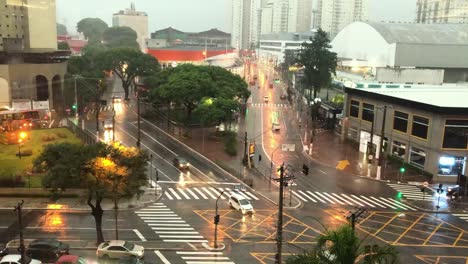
(240, 203)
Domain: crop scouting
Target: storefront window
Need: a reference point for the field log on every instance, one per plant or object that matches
(368, 112)
(354, 109)
(417, 157)
(451, 166)
(420, 127)
(399, 149)
(456, 134)
(400, 121)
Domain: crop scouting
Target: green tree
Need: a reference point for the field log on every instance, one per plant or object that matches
(342, 246)
(120, 37)
(61, 30)
(127, 64)
(319, 62)
(92, 29)
(63, 46)
(103, 170)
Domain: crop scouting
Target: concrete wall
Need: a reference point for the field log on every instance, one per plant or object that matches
(428, 56)
(432, 146)
(426, 76)
(41, 25)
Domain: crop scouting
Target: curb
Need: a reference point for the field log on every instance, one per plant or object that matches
(221, 247)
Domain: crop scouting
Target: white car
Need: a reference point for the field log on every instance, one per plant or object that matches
(119, 249)
(15, 259)
(108, 124)
(240, 203)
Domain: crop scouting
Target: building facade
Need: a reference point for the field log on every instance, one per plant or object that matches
(337, 14)
(442, 11)
(31, 68)
(135, 20)
(426, 127)
(241, 24)
(273, 46)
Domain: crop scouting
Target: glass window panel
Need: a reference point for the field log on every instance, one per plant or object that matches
(400, 121)
(456, 134)
(420, 127)
(368, 112)
(354, 109)
(417, 157)
(398, 149)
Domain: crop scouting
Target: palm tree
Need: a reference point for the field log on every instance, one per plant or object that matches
(342, 246)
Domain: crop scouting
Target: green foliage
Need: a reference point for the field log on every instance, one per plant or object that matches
(61, 29)
(193, 86)
(63, 46)
(92, 29)
(319, 62)
(128, 63)
(120, 37)
(342, 246)
(338, 99)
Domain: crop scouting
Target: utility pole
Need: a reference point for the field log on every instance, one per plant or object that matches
(113, 118)
(279, 228)
(21, 248)
(98, 109)
(76, 99)
(354, 216)
(381, 154)
(138, 114)
(246, 156)
(370, 149)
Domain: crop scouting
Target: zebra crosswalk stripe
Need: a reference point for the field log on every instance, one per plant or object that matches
(310, 198)
(354, 196)
(326, 198)
(251, 195)
(209, 193)
(168, 196)
(175, 194)
(339, 197)
(333, 198)
(201, 193)
(193, 194)
(351, 199)
(377, 200)
(300, 197)
(183, 193)
(315, 196)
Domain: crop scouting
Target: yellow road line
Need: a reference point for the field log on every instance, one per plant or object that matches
(437, 260)
(408, 229)
(432, 234)
(365, 219)
(255, 226)
(388, 222)
(458, 238)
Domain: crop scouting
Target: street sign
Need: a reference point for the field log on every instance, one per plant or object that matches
(252, 149)
(288, 147)
(342, 164)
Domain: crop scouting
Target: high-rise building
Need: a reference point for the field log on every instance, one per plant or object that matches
(241, 23)
(266, 13)
(442, 11)
(31, 68)
(135, 20)
(300, 15)
(336, 14)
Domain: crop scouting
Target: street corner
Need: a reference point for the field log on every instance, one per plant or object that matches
(413, 229)
(260, 227)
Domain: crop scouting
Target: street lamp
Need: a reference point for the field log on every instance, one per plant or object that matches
(22, 137)
(216, 221)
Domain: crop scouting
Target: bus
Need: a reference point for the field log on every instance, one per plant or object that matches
(11, 122)
(275, 125)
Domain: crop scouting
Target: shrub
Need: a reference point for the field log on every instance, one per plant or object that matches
(47, 138)
(11, 182)
(61, 135)
(25, 152)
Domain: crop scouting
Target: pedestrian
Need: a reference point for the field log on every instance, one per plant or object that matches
(259, 157)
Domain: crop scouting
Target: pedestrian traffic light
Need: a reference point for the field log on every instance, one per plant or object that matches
(305, 169)
(402, 169)
(399, 195)
(74, 107)
(216, 219)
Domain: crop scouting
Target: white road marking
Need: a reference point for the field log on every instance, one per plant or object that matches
(321, 171)
(357, 198)
(339, 197)
(310, 198)
(198, 253)
(139, 235)
(371, 201)
(209, 193)
(175, 194)
(351, 199)
(315, 196)
(183, 193)
(296, 194)
(193, 194)
(180, 236)
(201, 193)
(375, 199)
(205, 258)
(172, 228)
(185, 240)
(161, 256)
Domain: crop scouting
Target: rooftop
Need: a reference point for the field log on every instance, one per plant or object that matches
(446, 96)
(293, 36)
(442, 34)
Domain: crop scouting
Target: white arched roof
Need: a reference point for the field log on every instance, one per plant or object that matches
(404, 44)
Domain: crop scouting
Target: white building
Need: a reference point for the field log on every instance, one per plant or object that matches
(336, 14)
(442, 11)
(135, 20)
(241, 32)
(273, 46)
(300, 15)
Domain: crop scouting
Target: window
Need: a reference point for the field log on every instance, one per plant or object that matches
(417, 157)
(420, 127)
(399, 149)
(368, 112)
(451, 166)
(455, 134)
(400, 121)
(354, 109)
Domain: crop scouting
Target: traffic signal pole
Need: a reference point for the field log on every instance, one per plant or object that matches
(216, 221)
(279, 228)
(21, 248)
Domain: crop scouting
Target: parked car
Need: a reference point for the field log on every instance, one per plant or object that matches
(240, 203)
(118, 249)
(3, 250)
(47, 250)
(181, 163)
(16, 259)
(71, 259)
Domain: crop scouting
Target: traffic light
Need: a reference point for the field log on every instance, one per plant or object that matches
(399, 195)
(74, 107)
(402, 169)
(305, 169)
(216, 219)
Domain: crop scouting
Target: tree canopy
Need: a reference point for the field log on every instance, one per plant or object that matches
(342, 246)
(61, 29)
(213, 91)
(127, 64)
(103, 170)
(319, 62)
(119, 37)
(92, 28)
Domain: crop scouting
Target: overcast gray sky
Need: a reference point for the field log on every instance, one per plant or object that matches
(198, 15)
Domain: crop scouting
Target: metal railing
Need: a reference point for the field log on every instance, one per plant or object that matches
(84, 135)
